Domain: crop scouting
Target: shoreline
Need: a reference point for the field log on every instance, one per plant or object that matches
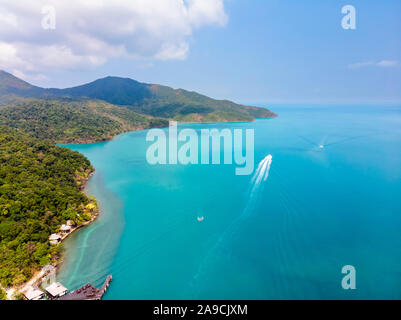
(107, 139)
(39, 274)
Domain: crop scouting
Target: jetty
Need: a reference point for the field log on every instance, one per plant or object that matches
(88, 292)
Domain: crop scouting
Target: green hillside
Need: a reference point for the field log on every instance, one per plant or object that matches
(11, 87)
(163, 101)
(151, 99)
(39, 190)
(74, 122)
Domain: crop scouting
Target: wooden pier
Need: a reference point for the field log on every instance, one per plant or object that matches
(88, 292)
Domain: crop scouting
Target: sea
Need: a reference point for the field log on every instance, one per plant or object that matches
(318, 218)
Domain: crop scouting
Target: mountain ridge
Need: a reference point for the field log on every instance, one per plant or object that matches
(151, 99)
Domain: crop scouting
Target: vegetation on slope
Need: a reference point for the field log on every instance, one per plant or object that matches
(11, 86)
(186, 105)
(163, 101)
(74, 122)
(150, 99)
(39, 190)
(3, 295)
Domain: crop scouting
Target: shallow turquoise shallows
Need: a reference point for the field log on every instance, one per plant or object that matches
(332, 198)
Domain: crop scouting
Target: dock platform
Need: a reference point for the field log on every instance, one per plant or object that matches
(88, 292)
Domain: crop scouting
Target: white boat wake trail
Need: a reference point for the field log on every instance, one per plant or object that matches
(261, 175)
(256, 188)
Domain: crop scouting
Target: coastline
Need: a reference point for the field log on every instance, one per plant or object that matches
(111, 138)
(38, 275)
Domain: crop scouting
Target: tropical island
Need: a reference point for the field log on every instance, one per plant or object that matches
(41, 184)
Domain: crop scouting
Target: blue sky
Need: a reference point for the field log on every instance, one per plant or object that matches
(267, 51)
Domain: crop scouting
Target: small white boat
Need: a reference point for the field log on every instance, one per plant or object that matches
(200, 219)
(321, 146)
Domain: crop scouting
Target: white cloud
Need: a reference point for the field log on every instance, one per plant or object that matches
(173, 51)
(388, 63)
(382, 63)
(29, 77)
(7, 18)
(89, 32)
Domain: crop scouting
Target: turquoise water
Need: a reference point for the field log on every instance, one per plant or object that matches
(285, 238)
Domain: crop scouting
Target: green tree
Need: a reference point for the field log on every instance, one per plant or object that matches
(3, 295)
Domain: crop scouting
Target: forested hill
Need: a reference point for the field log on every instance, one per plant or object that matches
(74, 121)
(163, 101)
(39, 190)
(150, 99)
(12, 86)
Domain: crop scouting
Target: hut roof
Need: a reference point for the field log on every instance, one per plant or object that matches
(54, 236)
(33, 293)
(56, 289)
(65, 227)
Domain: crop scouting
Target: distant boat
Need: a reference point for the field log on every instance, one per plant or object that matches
(200, 219)
(321, 146)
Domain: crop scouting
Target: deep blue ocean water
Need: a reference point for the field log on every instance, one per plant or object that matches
(319, 210)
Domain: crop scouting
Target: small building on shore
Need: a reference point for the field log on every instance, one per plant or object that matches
(56, 290)
(54, 238)
(33, 293)
(65, 228)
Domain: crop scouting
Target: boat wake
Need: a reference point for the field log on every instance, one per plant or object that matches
(262, 170)
(261, 175)
(257, 185)
(256, 188)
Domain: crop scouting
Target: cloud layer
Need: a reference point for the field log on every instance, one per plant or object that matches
(382, 63)
(89, 32)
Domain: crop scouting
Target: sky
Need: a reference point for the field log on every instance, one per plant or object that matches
(248, 51)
